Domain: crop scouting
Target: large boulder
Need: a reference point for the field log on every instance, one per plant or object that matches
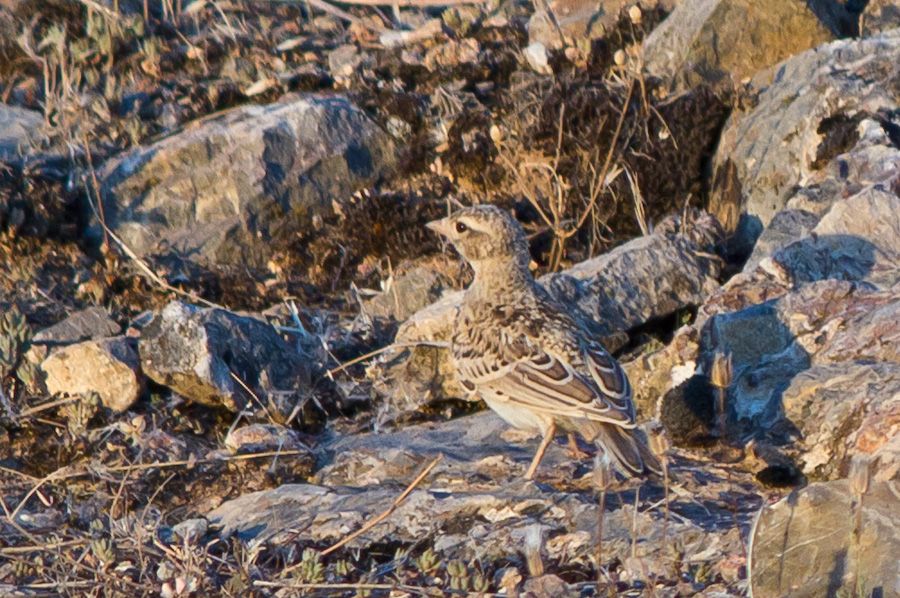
(222, 190)
(217, 358)
(812, 109)
(715, 40)
(811, 543)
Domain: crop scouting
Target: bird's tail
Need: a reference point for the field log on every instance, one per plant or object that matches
(627, 449)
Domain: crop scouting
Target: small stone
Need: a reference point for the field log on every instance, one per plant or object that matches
(191, 531)
(257, 438)
(108, 367)
(536, 55)
(90, 323)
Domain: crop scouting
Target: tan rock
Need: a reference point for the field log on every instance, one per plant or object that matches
(108, 367)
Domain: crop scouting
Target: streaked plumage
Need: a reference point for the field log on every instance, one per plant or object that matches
(525, 356)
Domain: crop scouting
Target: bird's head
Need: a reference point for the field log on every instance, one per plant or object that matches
(485, 236)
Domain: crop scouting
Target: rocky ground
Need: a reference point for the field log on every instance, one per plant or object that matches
(223, 364)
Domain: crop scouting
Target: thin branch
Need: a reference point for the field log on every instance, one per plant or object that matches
(381, 516)
(438, 344)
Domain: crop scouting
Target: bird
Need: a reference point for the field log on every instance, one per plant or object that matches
(528, 357)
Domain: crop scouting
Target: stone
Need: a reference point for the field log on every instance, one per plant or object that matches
(864, 179)
(19, 131)
(475, 505)
(536, 56)
(582, 21)
(221, 359)
(257, 438)
(786, 227)
(879, 16)
(191, 531)
(108, 367)
(846, 409)
(644, 279)
(720, 41)
(229, 187)
(407, 294)
(91, 323)
(809, 543)
(807, 116)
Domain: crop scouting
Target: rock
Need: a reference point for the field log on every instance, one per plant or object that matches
(209, 355)
(804, 544)
(786, 227)
(807, 116)
(91, 323)
(191, 531)
(867, 176)
(108, 367)
(646, 278)
(717, 41)
(474, 504)
(582, 21)
(536, 55)
(256, 438)
(19, 131)
(407, 294)
(879, 16)
(846, 409)
(229, 187)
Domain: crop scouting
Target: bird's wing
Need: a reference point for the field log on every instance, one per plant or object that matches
(544, 382)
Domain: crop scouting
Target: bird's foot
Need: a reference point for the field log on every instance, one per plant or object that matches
(575, 451)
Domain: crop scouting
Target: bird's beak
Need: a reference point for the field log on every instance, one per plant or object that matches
(441, 227)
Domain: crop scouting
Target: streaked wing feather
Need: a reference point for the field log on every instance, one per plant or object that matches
(547, 384)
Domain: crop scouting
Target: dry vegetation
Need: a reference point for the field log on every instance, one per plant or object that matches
(586, 157)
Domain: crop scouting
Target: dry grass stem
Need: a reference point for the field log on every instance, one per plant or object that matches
(381, 516)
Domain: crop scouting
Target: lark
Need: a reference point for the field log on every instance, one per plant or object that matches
(526, 356)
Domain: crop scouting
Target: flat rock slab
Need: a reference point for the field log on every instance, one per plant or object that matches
(221, 190)
(475, 505)
(804, 544)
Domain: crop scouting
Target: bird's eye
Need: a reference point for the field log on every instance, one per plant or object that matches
(461, 228)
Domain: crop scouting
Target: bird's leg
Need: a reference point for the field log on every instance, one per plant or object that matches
(574, 451)
(549, 433)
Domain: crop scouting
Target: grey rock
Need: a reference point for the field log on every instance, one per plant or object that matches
(857, 186)
(536, 55)
(786, 227)
(474, 504)
(19, 131)
(407, 294)
(91, 323)
(784, 140)
(108, 367)
(804, 544)
(191, 531)
(209, 355)
(723, 40)
(229, 187)
(646, 278)
(844, 409)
